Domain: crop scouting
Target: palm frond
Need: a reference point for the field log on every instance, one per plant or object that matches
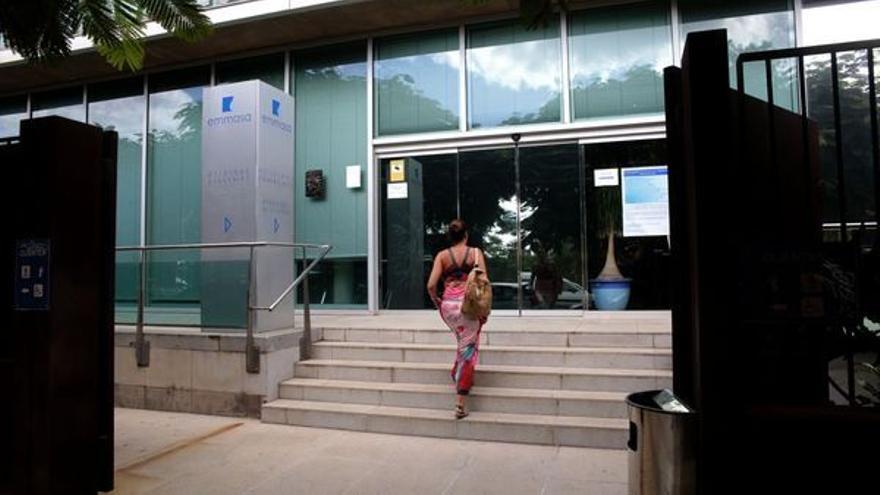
(116, 28)
(39, 30)
(182, 18)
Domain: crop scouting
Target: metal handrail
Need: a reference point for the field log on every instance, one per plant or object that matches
(252, 352)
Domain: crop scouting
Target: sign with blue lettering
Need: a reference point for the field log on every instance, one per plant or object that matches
(31, 275)
(246, 196)
(645, 194)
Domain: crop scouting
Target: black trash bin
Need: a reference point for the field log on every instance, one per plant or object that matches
(662, 444)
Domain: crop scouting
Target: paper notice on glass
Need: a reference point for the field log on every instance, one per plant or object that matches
(398, 191)
(645, 197)
(605, 177)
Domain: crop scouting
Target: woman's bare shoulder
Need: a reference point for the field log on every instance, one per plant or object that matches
(439, 258)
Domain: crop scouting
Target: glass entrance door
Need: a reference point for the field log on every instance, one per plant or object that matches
(523, 208)
(564, 226)
(629, 262)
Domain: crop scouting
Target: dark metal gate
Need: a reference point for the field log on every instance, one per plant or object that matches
(835, 88)
(776, 300)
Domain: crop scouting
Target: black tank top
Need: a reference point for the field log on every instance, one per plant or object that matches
(459, 271)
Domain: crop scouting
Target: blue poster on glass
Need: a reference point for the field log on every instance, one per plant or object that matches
(31, 275)
(645, 194)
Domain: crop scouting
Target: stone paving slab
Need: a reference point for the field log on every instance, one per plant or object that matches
(174, 453)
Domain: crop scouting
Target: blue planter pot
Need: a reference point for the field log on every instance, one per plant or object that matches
(610, 295)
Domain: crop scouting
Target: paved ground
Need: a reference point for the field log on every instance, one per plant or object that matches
(158, 452)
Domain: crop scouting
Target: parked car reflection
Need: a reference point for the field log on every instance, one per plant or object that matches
(504, 294)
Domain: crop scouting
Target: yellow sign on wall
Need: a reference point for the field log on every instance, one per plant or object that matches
(398, 171)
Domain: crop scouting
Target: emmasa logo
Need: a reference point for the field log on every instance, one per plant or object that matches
(273, 121)
(226, 103)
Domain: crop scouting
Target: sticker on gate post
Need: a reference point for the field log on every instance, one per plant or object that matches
(31, 275)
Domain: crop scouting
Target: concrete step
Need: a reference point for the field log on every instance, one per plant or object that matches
(605, 335)
(534, 377)
(520, 428)
(569, 357)
(483, 399)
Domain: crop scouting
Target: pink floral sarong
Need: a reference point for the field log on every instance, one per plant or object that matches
(467, 333)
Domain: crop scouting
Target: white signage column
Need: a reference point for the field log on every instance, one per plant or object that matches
(247, 195)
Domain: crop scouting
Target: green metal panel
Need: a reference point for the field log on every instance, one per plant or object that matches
(617, 58)
(331, 134)
(416, 81)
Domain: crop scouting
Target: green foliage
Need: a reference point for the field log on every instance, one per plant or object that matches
(608, 211)
(42, 30)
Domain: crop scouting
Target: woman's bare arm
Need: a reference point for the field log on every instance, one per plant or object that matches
(436, 271)
(481, 260)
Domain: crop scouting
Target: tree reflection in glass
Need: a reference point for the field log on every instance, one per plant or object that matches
(174, 164)
(751, 26)
(550, 188)
(417, 83)
(513, 74)
(855, 129)
(125, 115)
(617, 58)
(487, 195)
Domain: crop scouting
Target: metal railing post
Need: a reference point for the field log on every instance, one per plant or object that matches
(252, 352)
(141, 346)
(305, 347)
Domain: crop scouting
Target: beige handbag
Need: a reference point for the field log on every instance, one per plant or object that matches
(477, 294)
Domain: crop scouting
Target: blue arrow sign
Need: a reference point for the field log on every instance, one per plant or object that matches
(275, 225)
(227, 224)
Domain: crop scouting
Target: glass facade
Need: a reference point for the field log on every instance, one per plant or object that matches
(617, 55)
(551, 187)
(752, 25)
(539, 214)
(548, 229)
(12, 111)
(513, 74)
(416, 83)
(641, 259)
(331, 135)
(266, 68)
(174, 181)
(838, 22)
(66, 102)
(120, 106)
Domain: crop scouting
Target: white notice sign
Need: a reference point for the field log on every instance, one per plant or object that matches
(645, 195)
(353, 176)
(605, 177)
(398, 190)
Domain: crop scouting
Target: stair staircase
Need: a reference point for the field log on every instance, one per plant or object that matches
(543, 380)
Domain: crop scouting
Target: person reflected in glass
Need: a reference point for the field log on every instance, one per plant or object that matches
(453, 265)
(546, 279)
